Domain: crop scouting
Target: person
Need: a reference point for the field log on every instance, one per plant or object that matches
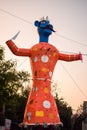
(41, 108)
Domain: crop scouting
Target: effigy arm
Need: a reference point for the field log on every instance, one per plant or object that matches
(18, 51)
(70, 57)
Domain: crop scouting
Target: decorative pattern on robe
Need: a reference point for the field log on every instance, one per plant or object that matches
(41, 107)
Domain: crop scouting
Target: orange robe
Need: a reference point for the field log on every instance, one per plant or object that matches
(41, 107)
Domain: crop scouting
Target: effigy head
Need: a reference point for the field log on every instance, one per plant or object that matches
(44, 26)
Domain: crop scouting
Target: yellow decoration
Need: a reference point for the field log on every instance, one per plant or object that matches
(39, 113)
(44, 69)
(51, 115)
(52, 62)
(54, 54)
(46, 90)
(35, 49)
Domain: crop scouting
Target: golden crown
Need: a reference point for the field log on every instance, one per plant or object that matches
(43, 18)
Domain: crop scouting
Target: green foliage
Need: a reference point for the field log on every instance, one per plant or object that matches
(14, 89)
(65, 112)
(78, 118)
(1, 52)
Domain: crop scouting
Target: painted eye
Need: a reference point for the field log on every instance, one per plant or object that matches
(43, 22)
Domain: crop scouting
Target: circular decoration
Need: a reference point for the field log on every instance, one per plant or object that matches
(46, 104)
(44, 58)
(35, 59)
(50, 73)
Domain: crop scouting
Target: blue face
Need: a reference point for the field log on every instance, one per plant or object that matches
(44, 28)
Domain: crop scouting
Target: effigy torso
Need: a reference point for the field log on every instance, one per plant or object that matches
(41, 107)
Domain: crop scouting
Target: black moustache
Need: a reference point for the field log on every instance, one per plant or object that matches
(48, 27)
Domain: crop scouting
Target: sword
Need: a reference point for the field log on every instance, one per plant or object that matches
(15, 36)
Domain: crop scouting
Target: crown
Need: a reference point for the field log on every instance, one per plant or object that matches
(43, 18)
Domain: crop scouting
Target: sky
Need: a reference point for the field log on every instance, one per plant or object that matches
(69, 18)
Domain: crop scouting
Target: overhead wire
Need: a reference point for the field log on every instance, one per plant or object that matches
(73, 80)
(80, 43)
(23, 62)
(22, 19)
(84, 54)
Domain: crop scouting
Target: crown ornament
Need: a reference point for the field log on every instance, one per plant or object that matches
(43, 18)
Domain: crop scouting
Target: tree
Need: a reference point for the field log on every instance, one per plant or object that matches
(14, 90)
(78, 118)
(14, 87)
(65, 111)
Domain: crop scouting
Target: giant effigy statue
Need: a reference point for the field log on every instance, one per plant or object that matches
(41, 108)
